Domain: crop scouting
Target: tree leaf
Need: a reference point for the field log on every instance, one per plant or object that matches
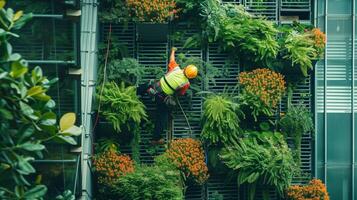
(66, 139)
(31, 146)
(36, 192)
(67, 121)
(17, 69)
(17, 15)
(2, 4)
(72, 131)
(35, 90)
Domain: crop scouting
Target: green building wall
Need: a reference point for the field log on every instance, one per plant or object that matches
(335, 103)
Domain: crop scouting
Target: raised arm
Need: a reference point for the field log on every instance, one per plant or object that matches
(172, 63)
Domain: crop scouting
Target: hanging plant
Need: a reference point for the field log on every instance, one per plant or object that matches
(260, 158)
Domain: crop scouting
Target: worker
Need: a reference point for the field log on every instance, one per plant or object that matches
(175, 82)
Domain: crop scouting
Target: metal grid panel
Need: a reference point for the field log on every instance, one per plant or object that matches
(125, 34)
(220, 184)
(267, 8)
(230, 71)
(298, 5)
(150, 54)
(191, 107)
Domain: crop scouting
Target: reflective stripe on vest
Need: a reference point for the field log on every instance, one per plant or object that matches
(176, 78)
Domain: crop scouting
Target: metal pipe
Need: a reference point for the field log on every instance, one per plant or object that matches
(56, 161)
(52, 61)
(325, 96)
(48, 16)
(353, 92)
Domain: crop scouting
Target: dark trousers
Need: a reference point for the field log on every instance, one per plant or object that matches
(162, 111)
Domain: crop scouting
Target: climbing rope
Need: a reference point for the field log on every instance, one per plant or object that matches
(184, 114)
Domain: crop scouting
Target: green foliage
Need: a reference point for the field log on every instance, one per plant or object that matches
(149, 182)
(121, 106)
(252, 37)
(296, 122)
(299, 49)
(67, 195)
(261, 158)
(206, 72)
(220, 119)
(252, 106)
(113, 11)
(26, 116)
(129, 71)
(106, 144)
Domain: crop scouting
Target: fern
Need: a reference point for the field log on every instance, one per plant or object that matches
(260, 158)
(121, 106)
(220, 119)
(296, 122)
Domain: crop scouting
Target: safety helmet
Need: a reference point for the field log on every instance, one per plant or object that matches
(191, 71)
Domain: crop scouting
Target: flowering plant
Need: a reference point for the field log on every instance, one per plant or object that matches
(265, 84)
(110, 165)
(319, 40)
(151, 10)
(188, 156)
(315, 190)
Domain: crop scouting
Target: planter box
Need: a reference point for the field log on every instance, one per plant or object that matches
(151, 32)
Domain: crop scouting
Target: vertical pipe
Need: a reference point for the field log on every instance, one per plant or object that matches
(325, 95)
(353, 92)
(315, 97)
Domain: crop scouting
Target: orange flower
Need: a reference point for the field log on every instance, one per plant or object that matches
(267, 85)
(188, 156)
(110, 166)
(315, 190)
(152, 10)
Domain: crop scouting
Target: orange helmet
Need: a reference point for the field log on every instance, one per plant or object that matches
(191, 71)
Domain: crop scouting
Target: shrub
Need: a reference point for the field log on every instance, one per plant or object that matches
(220, 119)
(151, 183)
(267, 85)
(315, 190)
(187, 156)
(27, 121)
(151, 10)
(110, 165)
(260, 157)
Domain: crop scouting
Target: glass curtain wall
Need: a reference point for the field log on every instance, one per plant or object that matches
(335, 99)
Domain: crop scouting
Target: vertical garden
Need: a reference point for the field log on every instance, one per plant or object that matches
(244, 129)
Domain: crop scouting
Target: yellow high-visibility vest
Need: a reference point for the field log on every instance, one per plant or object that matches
(176, 78)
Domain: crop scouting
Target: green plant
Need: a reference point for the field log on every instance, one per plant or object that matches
(151, 183)
(121, 106)
(129, 71)
(67, 195)
(26, 119)
(296, 122)
(253, 38)
(299, 48)
(260, 158)
(220, 119)
(106, 144)
(207, 73)
(113, 11)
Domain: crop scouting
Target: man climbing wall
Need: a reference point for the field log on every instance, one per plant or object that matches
(175, 82)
